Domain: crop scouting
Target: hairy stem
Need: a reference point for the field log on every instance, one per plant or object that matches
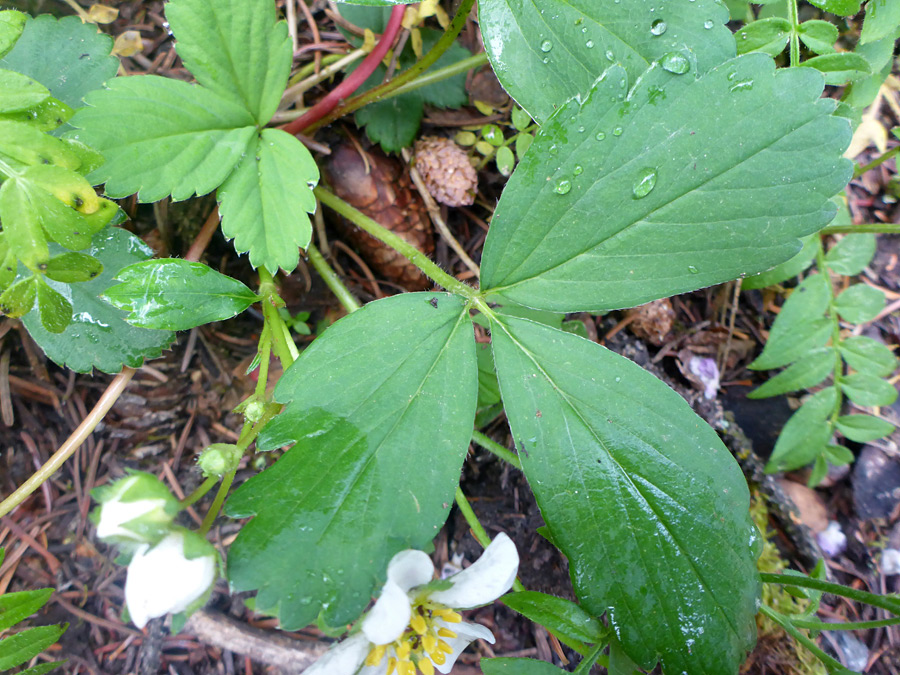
(864, 228)
(347, 299)
(496, 449)
(878, 161)
(198, 494)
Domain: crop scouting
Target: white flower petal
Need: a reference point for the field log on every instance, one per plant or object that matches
(161, 580)
(389, 617)
(466, 633)
(486, 579)
(115, 514)
(344, 658)
(409, 569)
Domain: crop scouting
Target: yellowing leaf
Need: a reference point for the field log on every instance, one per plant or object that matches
(128, 43)
(103, 13)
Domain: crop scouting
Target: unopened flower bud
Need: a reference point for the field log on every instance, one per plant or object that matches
(138, 508)
(174, 576)
(253, 411)
(218, 459)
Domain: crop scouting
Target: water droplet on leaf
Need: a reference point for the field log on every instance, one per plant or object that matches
(692, 269)
(644, 184)
(610, 56)
(658, 27)
(708, 24)
(617, 131)
(546, 46)
(578, 170)
(675, 63)
(563, 187)
(600, 136)
(589, 44)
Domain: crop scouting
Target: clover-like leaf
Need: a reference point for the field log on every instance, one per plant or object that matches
(265, 201)
(650, 508)
(98, 336)
(380, 439)
(622, 197)
(547, 51)
(236, 49)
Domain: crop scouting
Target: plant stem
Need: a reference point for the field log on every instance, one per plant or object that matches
(439, 75)
(847, 625)
(497, 449)
(72, 443)
(313, 118)
(878, 161)
(477, 529)
(835, 334)
(794, 17)
(407, 76)
(285, 349)
(833, 665)
(871, 228)
(415, 256)
(217, 502)
(890, 604)
(350, 303)
(198, 494)
(589, 660)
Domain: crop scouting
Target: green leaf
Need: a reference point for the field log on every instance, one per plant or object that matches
(98, 336)
(619, 662)
(14, 607)
(380, 440)
(162, 137)
(839, 455)
(11, 25)
(868, 356)
(73, 267)
(561, 616)
(864, 428)
(18, 299)
(55, 311)
(800, 325)
(19, 92)
(49, 115)
(809, 371)
(23, 145)
(851, 254)
(650, 509)
(546, 51)
(41, 668)
(21, 224)
(513, 666)
(805, 434)
(670, 185)
(265, 201)
(768, 36)
(236, 49)
(393, 123)
(839, 69)
(65, 225)
(19, 648)
(176, 294)
(818, 35)
(868, 390)
(879, 54)
(882, 20)
(786, 270)
(859, 303)
(78, 62)
(839, 7)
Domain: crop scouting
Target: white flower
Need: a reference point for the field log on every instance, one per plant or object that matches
(413, 627)
(170, 577)
(138, 508)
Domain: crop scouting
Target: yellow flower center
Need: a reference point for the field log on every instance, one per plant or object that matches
(420, 646)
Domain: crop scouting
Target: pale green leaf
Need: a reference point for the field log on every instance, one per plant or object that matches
(19, 648)
(265, 201)
(22, 145)
(882, 19)
(18, 299)
(851, 254)
(841, 68)
(864, 428)
(800, 326)
(547, 51)
(818, 35)
(839, 7)
(19, 92)
(21, 223)
(11, 25)
(98, 336)
(163, 137)
(868, 390)
(381, 408)
(175, 294)
(237, 49)
(807, 372)
(805, 434)
(639, 494)
(768, 36)
(859, 303)
(50, 114)
(868, 356)
(623, 199)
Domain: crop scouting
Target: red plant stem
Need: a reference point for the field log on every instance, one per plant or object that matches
(353, 81)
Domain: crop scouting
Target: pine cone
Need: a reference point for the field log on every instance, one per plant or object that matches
(379, 187)
(653, 322)
(446, 170)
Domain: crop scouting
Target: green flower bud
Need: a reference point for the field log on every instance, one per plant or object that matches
(219, 459)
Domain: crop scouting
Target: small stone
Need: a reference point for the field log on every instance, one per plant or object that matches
(445, 168)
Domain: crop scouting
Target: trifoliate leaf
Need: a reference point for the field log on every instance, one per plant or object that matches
(265, 201)
(547, 51)
(619, 193)
(176, 294)
(163, 137)
(237, 50)
(380, 439)
(98, 336)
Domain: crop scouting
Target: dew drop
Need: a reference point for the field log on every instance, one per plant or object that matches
(546, 46)
(563, 187)
(675, 63)
(731, 76)
(600, 136)
(743, 85)
(579, 20)
(578, 170)
(644, 184)
(617, 131)
(693, 270)
(581, 129)
(708, 24)
(546, 60)
(658, 27)
(610, 56)
(589, 44)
